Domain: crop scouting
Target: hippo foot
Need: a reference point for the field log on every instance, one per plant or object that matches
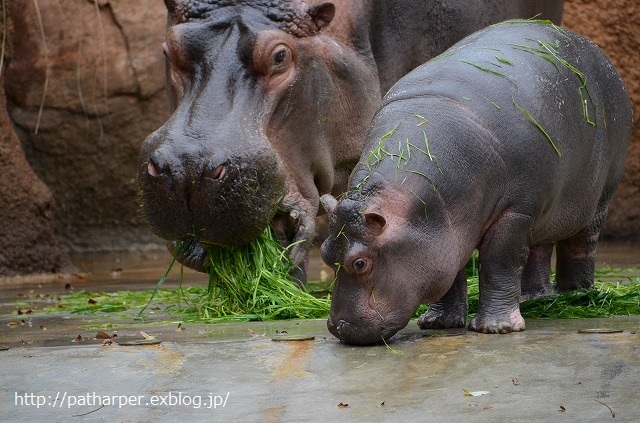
(437, 318)
(484, 323)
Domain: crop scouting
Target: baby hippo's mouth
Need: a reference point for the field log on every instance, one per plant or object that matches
(363, 326)
(355, 334)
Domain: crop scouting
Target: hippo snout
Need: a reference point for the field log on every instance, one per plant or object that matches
(217, 198)
(157, 167)
(360, 334)
(181, 175)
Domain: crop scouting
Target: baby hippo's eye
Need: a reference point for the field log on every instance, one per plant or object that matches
(361, 265)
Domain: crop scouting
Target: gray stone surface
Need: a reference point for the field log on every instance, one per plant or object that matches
(547, 373)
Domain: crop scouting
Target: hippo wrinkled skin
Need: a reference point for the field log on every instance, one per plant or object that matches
(510, 142)
(270, 103)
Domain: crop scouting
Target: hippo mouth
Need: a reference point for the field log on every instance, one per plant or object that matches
(286, 224)
(371, 333)
(191, 252)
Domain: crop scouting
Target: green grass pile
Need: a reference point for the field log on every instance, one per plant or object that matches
(247, 282)
(253, 282)
(607, 299)
(615, 293)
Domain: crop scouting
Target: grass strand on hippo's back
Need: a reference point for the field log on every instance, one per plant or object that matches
(537, 124)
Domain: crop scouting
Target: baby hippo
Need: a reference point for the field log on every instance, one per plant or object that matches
(510, 142)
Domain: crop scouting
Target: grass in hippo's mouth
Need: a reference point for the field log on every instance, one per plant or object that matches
(248, 282)
(253, 281)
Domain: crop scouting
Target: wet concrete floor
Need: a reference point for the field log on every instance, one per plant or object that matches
(245, 372)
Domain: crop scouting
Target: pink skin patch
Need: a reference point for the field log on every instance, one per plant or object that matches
(517, 322)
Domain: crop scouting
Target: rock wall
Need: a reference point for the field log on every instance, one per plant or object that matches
(85, 86)
(615, 26)
(27, 241)
(84, 82)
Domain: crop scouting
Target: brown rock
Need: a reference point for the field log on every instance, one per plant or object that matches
(83, 98)
(27, 241)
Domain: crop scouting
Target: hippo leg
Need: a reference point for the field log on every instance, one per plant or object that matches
(536, 276)
(503, 253)
(451, 310)
(576, 259)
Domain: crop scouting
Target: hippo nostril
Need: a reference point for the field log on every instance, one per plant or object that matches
(293, 224)
(216, 173)
(152, 170)
(157, 166)
(219, 172)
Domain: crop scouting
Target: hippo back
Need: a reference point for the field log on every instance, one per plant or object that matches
(536, 102)
(404, 34)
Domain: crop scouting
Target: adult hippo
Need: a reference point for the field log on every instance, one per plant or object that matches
(271, 101)
(510, 142)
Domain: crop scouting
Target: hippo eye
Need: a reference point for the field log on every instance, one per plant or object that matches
(280, 57)
(361, 265)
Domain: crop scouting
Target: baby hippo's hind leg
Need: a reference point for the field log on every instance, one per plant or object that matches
(451, 310)
(536, 276)
(576, 257)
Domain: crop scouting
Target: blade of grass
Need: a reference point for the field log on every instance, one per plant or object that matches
(537, 124)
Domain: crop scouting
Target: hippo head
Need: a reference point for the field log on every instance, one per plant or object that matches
(385, 265)
(257, 93)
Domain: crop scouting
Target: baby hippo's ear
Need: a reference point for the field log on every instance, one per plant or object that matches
(328, 203)
(375, 223)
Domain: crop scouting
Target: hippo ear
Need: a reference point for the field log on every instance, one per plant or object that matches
(328, 202)
(322, 14)
(376, 223)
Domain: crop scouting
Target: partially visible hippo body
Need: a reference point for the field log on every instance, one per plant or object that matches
(271, 100)
(510, 142)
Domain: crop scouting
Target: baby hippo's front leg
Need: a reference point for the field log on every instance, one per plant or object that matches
(451, 310)
(503, 253)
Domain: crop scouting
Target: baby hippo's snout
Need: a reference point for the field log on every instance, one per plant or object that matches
(350, 334)
(362, 330)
